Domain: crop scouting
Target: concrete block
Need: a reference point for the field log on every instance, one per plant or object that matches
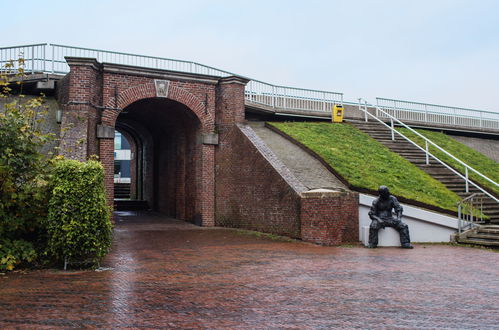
(210, 138)
(105, 132)
(45, 84)
(386, 237)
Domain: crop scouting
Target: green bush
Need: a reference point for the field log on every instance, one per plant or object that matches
(15, 252)
(24, 174)
(78, 224)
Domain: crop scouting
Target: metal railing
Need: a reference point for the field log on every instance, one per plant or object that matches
(428, 142)
(35, 57)
(290, 98)
(438, 114)
(470, 212)
(49, 58)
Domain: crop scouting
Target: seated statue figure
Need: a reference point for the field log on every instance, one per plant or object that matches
(381, 216)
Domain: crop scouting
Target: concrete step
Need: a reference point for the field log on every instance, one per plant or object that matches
(477, 241)
(130, 205)
(488, 229)
(483, 236)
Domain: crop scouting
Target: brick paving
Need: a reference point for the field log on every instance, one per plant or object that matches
(168, 274)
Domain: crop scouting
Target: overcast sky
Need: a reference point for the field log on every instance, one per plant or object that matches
(438, 51)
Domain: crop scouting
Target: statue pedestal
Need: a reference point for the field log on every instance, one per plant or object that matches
(386, 237)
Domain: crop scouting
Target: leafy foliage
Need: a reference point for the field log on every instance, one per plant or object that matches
(78, 223)
(13, 252)
(366, 163)
(473, 158)
(24, 174)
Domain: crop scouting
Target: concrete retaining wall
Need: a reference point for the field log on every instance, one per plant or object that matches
(424, 226)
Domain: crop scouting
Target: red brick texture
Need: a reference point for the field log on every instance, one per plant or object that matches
(251, 193)
(330, 218)
(237, 183)
(256, 191)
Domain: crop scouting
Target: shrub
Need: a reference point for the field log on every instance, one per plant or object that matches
(14, 252)
(24, 173)
(78, 224)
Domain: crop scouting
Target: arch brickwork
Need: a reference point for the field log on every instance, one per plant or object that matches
(218, 168)
(96, 93)
(148, 90)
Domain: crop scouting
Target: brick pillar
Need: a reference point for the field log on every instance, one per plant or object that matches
(230, 101)
(106, 155)
(229, 111)
(329, 217)
(208, 185)
(80, 116)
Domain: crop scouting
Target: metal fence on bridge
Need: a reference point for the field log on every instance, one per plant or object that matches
(49, 58)
(438, 114)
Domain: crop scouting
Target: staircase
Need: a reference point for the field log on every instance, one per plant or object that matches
(122, 190)
(130, 205)
(122, 201)
(416, 156)
(487, 235)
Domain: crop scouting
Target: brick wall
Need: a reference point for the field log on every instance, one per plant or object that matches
(256, 191)
(251, 193)
(330, 218)
(238, 183)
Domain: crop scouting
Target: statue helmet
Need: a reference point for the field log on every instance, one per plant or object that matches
(384, 192)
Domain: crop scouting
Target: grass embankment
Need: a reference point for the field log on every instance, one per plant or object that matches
(471, 157)
(365, 163)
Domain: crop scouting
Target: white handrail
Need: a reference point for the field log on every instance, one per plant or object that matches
(275, 96)
(439, 114)
(468, 217)
(425, 150)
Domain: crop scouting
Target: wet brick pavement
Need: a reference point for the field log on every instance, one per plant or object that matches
(169, 274)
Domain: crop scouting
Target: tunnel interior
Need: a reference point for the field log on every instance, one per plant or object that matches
(164, 155)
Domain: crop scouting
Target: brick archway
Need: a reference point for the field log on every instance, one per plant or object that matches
(192, 103)
(148, 90)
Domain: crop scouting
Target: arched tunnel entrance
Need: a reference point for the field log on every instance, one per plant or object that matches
(164, 156)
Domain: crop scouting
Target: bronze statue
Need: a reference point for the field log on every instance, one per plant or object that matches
(381, 216)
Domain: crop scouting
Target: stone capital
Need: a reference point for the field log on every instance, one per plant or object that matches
(83, 61)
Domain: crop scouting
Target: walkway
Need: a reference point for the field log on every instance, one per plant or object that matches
(308, 170)
(166, 273)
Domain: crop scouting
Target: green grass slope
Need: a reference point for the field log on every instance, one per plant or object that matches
(366, 163)
(473, 158)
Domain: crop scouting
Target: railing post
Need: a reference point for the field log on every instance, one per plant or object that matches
(53, 57)
(324, 102)
(273, 96)
(427, 154)
(481, 119)
(426, 113)
(44, 58)
(466, 175)
(459, 218)
(365, 110)
(285, 99)
(32, 59)
(393, 129)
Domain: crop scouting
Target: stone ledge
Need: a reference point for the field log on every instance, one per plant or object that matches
(323, 193)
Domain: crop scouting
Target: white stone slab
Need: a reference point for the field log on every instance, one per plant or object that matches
(424, 226)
